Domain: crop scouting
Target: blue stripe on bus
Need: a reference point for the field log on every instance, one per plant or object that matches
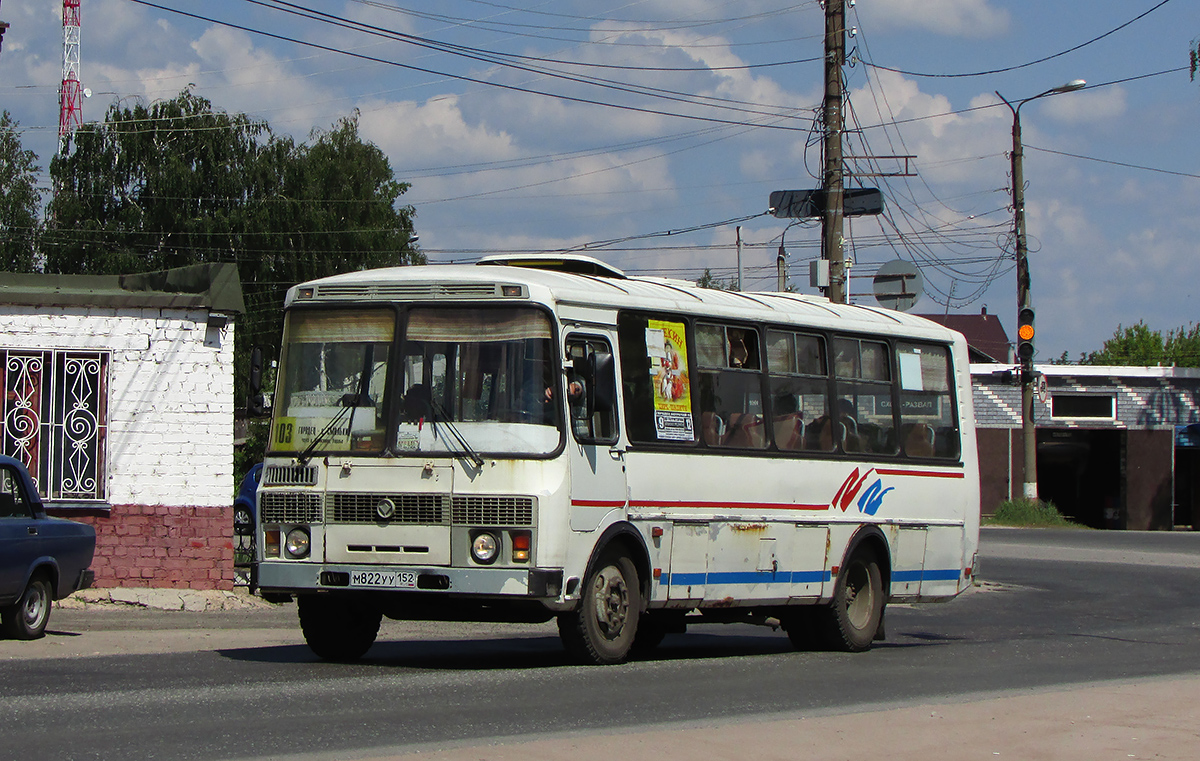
(745, 577)
(939, 574)
(796, 577)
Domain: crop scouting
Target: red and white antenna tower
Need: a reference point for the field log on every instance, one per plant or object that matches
(70, 94)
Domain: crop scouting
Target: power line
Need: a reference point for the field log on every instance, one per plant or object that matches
(1113, 163)
(474, 80)
(1020, 65)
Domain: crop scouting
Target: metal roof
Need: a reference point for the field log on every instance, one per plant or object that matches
(213, 286)
(553, 286)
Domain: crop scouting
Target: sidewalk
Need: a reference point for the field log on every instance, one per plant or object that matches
(1149, 719)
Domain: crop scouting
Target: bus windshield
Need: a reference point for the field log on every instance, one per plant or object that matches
(332, 379)
(469, 380)
(486, 374)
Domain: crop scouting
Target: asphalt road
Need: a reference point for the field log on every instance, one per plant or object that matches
(1056, 609)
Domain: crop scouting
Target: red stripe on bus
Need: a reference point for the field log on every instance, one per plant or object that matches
(922, 473)
(597, 503)
(735, 505)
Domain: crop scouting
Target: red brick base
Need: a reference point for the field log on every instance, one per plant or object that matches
(162, 546)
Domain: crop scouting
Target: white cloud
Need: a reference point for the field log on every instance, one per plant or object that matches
(958, 18)
(949, 147)
(1086, 107)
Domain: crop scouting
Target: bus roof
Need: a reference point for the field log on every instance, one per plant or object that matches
(588, 283)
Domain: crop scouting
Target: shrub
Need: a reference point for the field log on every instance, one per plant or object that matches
(1031, 513)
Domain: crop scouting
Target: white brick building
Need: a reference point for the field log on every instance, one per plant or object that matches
(118, 395)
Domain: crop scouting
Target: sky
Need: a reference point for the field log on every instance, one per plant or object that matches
(646, 132)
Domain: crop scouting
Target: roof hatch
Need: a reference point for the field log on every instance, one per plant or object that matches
(573, 263)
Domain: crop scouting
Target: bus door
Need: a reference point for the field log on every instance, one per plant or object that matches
(598, 485)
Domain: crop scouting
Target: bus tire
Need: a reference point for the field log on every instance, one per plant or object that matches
(802, 628)
(337, 629)
(850, 622)
(603, 628)
(652, 629)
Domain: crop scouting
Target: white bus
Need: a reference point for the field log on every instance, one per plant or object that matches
(545, 437)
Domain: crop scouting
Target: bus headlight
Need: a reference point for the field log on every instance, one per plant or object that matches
(485, 548)
(297, 544)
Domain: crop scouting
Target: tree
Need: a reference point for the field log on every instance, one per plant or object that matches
(177, 183)
(708, 280)
(1138, 345)
(20, 199)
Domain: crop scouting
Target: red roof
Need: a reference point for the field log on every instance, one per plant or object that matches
(985, 335)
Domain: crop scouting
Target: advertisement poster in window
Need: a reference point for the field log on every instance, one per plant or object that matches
(666, 346)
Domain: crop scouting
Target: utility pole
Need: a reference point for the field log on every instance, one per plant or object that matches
(1029, 486)
(833, 181)
(738, 231)
(1025, 329)
(781, 269)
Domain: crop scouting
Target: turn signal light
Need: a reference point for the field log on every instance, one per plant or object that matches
(520, 545)
(271, 543)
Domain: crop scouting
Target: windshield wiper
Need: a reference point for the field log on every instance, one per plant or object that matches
(349, 402)
(471, 454)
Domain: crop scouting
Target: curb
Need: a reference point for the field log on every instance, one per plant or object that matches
(191, 600)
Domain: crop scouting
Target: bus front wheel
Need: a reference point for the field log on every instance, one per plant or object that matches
(851, 621)
(337, 629)
(602, 629)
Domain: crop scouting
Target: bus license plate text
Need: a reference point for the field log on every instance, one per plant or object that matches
(387, 579)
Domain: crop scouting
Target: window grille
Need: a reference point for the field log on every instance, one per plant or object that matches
(54, 419)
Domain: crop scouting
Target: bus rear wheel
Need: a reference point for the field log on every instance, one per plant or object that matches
(602, 629)
(336, 628)
(851, 621)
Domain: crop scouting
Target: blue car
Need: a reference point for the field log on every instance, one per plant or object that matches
(41, 559)
(243, 528)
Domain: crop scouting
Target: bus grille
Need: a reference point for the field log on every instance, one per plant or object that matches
(492, 511)
(290, 475)
(290, 507)
(408, 508)
(431, 509)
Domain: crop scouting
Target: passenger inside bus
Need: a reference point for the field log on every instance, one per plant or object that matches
(788, 423)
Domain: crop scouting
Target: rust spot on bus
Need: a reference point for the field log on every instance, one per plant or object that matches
(728, 602)
(757, 528)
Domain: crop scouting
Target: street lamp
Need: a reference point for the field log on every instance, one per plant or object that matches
(1025, 331)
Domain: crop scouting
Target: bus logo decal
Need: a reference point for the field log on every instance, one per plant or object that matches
(870, 501)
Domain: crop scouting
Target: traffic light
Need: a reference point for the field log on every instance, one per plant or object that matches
(1025, 333)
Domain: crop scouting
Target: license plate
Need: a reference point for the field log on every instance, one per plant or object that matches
(384, 579)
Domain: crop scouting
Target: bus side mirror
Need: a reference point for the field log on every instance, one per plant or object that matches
(603, 385)
(256, 403)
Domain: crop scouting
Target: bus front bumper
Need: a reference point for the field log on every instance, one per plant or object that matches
(291, 576)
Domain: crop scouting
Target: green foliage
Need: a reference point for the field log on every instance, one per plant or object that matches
(178, 182)
(708, 280)
(1138, 345)
(20, 199)
(1029, 513)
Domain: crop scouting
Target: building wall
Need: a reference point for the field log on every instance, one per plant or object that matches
(1149, 403)
(169, 447)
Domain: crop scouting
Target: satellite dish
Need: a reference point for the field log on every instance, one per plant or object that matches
(898, 285)
(87, 92)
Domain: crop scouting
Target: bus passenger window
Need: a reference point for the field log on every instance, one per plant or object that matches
(799, 392)
(928, 418)
(729, 387)
(866, 421)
